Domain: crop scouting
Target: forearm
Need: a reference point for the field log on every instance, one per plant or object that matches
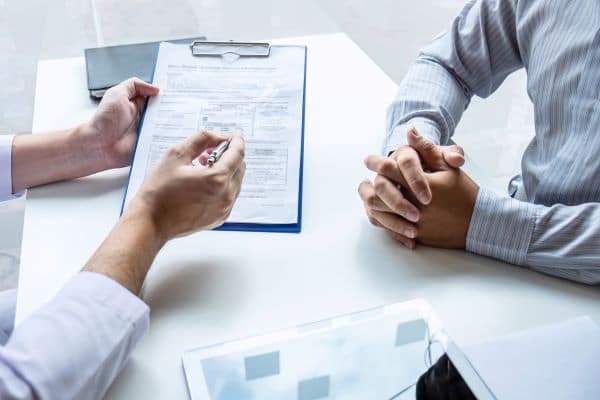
(430, 99)
(97, 315)
(472, 58)
(129, 250)
(559, 240)
(43, 158)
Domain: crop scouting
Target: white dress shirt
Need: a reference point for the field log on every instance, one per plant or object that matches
(6, 167)
(74, 346)
(556, 229)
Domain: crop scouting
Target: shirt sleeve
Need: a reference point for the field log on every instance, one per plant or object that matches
(472, 58)
(73, 347)
(8, 306)
(559, 240)
(6, 167)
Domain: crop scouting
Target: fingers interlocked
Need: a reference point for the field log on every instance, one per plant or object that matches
(405, 170)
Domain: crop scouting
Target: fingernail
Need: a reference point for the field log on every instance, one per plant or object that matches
(415, 132)
(409, 232)
(412, 216)
(423, 197)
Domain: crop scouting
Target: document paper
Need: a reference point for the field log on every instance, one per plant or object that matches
(553, 362)
(261, 97)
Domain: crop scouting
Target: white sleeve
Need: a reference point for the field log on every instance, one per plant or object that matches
(74, 346)
(6, 192)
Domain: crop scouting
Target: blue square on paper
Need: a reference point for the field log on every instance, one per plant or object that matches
(262, 365)
(410, 332)
(314, 388)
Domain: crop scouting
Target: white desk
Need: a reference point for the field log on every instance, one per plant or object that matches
(217, 286)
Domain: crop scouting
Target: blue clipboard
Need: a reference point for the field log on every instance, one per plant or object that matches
(262, 50)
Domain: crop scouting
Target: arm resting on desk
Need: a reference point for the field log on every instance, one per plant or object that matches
(51, 157)
(472, 58)
(558, 240)
(104, 142)
(74, 346)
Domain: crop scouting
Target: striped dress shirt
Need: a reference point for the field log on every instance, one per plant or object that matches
(555, 225)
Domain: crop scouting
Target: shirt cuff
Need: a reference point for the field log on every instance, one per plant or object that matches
(426, 128)
(6, 168)
(112, 295)
(501, 227)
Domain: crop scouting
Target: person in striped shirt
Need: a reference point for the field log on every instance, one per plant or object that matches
(550, 221)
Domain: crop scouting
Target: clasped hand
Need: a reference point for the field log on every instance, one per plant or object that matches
(420, 194)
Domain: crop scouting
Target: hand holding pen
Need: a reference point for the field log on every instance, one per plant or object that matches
(210, 156)
(218, 152)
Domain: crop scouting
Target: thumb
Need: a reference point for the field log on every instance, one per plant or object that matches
(137, 87)
(454, 156)
(430, 153)
(195, 145)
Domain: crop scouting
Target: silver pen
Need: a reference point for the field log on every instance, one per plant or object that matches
(218, 151)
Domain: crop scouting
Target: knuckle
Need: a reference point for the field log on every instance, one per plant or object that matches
(231, 196)
(401, 150)
(362, 187)
(399, 225)
(175, 151)
(214, 184)
(379, 186)
(386, 167)
(406, 161)
(400, 229)
(371, 200)
(398, 204)
(203, 134)
(110, 92)
(427, 145)
(218, 180)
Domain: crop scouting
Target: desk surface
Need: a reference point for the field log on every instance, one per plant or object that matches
(217, 286)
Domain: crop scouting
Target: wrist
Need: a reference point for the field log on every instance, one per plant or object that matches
(129, 250)
(141, 216)
(501, 227)
(87, 150)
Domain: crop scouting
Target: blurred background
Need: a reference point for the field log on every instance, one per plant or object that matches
(494, 132)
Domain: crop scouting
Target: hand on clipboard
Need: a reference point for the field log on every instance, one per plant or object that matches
(260, 93)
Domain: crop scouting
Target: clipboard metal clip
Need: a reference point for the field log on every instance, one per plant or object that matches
(240, 49)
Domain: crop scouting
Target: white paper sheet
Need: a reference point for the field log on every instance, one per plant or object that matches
(560, 361)
(260, 96)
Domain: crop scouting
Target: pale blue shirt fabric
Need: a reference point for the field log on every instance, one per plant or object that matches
(74, 346)
(556, 229)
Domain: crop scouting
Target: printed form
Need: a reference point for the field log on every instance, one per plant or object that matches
(262, 97)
